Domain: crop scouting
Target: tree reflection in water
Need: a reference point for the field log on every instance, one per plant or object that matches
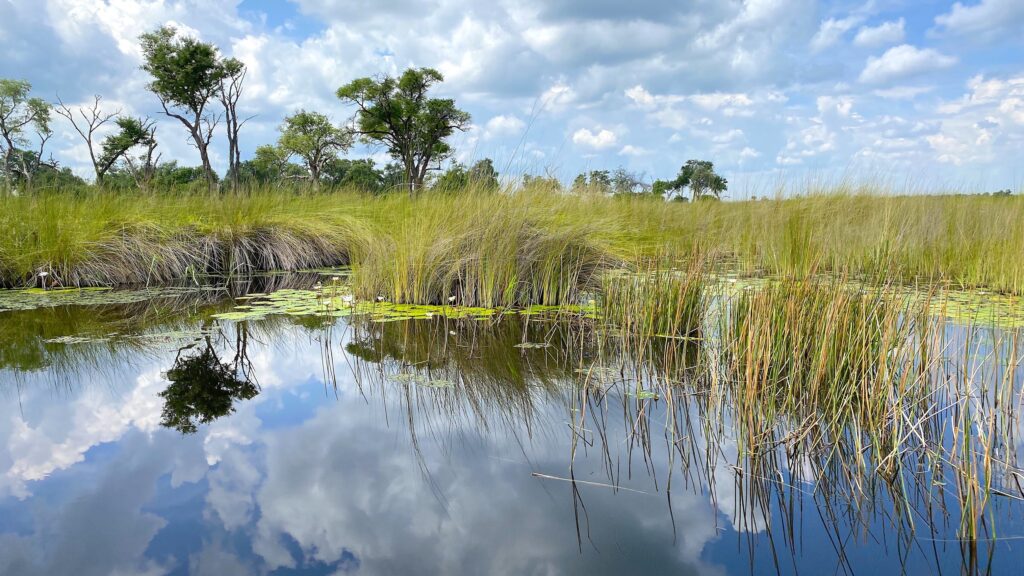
(203, 388)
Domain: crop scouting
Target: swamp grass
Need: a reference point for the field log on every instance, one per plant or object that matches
(506, 248)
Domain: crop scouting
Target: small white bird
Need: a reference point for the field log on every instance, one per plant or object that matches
(380, 298)
(451, 298)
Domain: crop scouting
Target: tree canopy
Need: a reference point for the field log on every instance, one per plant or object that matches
(186, 75)
(20, 114)
(697, 175)
(398, 113)
(312, 137)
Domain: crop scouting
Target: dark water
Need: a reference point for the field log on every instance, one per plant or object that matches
(294, 446)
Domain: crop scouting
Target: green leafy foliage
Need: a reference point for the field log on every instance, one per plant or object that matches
(399, 114)
(697, 175)
(312, 137)
(20, 113)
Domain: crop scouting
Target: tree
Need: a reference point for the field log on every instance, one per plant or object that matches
(131, 132)
(454, 179)
(483, 176)
(20, 113)
(359, 174)
(393, 177)
(170, 176)
(398, 114)
(546, 183)
(312, 137)
(269, 165)
(595, 181)
(229, 94)
(625, 182)
(186, 75)
(697, 175)
(142, 168)
(87, 120)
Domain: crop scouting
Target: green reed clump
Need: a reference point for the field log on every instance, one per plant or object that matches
(822, 350)
(658, 302)
(482, 250)
(99, 237)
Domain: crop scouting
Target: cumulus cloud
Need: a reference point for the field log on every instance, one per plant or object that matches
(675, 68)
(631, 150)
(832, 30)
(904, 61)
(987, 20)
(884, 34)
(598, 139)
(503, 126)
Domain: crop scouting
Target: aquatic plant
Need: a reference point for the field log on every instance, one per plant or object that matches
(490, 247)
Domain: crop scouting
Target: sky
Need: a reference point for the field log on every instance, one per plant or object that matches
(915, 93)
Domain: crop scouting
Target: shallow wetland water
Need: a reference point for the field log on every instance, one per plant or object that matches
(175, 431)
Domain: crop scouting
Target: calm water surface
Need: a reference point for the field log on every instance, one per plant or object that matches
(422, 447)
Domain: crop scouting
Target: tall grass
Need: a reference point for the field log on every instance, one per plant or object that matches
(506, 247)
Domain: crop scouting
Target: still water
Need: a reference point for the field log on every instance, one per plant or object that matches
(426, 447)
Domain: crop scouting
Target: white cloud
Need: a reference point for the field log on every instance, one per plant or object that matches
(841, 105)
(902, 62)
(727, 64)
(599, 139)
(987, 20)
(903, 92)
(831, 31)
(749, 153)
(882, 35)
(558, 97)
(984, 125)
(502, 125)
(631, 150)
(717, 100)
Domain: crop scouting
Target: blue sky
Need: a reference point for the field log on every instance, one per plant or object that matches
(921, 92)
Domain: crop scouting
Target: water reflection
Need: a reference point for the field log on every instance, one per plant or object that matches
(437, 446)
(203, 388)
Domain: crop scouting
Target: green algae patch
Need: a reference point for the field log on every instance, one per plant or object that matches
(335, 302)
(979, 308)
(37, 298)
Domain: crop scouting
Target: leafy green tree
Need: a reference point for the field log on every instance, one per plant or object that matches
(454, 179)
(697, 175)
(19, 114)
(269, 165)
(187, 75)
(546, 183)
(360, 174)
(624, 182)
(393, 177)
(594, 182)
(131, 132)
(482, 175)
(312, 137)
(170, 176)
(399, 114)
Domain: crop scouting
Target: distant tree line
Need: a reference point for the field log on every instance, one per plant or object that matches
(202, 91)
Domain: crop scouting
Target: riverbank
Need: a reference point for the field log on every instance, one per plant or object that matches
(498, 249)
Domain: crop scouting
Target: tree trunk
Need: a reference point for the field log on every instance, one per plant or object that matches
(204, 154)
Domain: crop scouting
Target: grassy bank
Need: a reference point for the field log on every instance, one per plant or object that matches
(497, 249)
